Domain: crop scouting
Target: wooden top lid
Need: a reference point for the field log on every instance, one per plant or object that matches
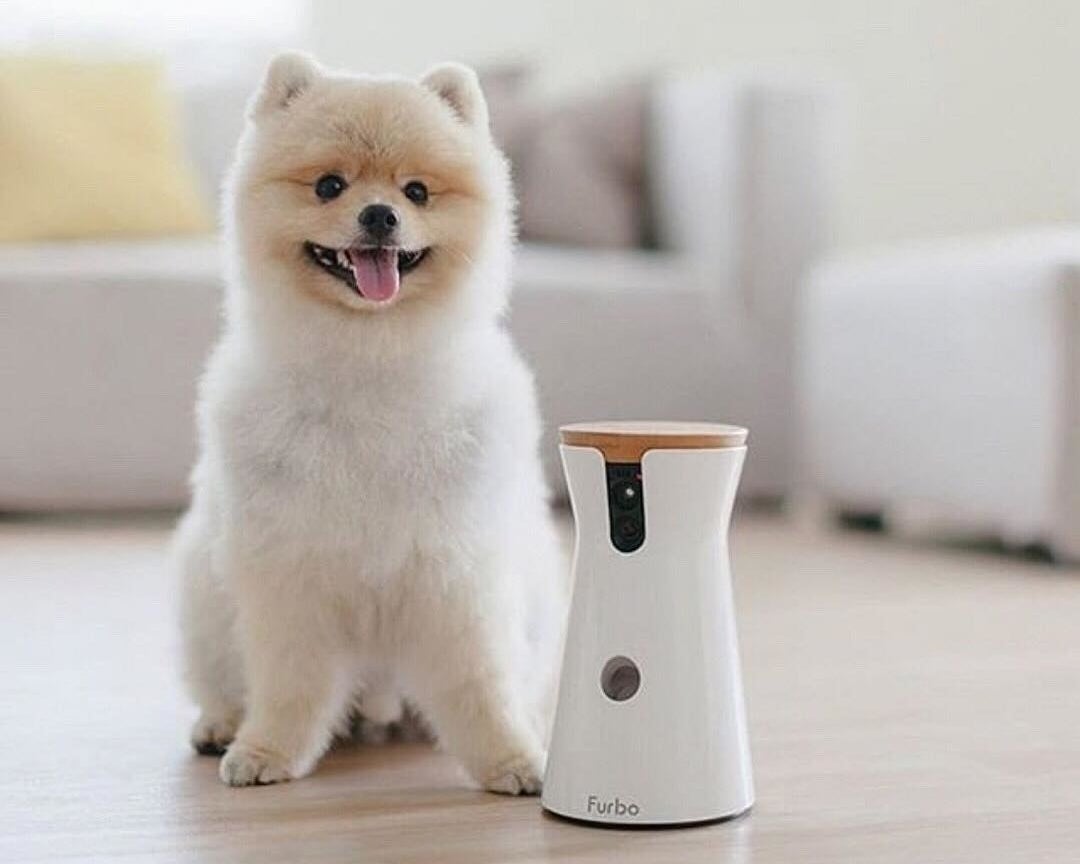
(627, 440)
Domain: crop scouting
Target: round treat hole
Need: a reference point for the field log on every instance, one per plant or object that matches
(620, 678)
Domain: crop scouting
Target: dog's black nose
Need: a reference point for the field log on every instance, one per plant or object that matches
(379, 220)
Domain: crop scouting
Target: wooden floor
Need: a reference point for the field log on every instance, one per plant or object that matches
(907, 704)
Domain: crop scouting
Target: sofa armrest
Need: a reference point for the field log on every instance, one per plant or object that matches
(98, 371)
(740, 179)
(1066, 531)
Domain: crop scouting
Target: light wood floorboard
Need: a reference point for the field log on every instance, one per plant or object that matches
(907, 704)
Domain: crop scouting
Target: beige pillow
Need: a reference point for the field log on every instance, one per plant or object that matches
(91, 149)
(507, 89)
(580, 170)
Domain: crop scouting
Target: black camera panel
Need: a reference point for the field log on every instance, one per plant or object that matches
(626, 505)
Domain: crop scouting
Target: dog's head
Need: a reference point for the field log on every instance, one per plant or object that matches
(368, 192)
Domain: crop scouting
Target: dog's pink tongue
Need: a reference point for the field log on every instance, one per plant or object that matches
(376, 272)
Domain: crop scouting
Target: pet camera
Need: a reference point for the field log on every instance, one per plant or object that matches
(650, 727)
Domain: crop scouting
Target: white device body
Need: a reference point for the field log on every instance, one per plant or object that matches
(676, 751)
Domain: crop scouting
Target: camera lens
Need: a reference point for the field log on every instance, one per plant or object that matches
(625, 494)
(626, 506)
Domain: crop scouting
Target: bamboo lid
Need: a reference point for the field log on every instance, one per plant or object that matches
(627, 440)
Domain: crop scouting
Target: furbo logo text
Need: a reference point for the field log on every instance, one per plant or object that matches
(612, 807)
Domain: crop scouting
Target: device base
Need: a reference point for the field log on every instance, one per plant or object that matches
(645, 826)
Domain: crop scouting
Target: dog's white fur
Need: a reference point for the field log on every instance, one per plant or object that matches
(369, 518)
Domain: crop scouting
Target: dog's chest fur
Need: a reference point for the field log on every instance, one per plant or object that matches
(386, 464)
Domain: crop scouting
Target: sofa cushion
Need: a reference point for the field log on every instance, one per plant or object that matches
(181, 261)
(168, 260)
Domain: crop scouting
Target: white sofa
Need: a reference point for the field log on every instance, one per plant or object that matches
(941, 387)
(101, 343)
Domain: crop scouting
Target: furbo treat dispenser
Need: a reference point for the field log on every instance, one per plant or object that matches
(650, 727)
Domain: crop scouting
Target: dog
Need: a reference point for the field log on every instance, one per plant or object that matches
(368, 526)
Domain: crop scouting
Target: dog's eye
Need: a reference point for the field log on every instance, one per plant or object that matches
(416, 192)
(329, 186)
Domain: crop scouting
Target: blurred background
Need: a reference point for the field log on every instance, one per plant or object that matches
(853, 227)
(849, 226)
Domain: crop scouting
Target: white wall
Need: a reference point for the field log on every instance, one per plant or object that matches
(965, 116)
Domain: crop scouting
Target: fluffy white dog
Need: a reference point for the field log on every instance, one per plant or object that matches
(369, 519)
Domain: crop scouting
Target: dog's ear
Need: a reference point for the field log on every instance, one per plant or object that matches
(288, 75)
(458, 86)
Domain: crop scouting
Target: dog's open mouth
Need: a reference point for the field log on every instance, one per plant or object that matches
(373, 272)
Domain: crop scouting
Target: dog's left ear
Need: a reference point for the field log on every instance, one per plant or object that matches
(458, 86)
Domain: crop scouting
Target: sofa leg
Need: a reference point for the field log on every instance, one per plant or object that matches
(860, 519)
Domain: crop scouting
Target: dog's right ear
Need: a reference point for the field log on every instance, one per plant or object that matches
(288, 75)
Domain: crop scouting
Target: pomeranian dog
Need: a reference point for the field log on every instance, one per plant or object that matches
(369, 526)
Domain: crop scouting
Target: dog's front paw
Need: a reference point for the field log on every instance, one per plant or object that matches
(211, 735)
(243, 765)
(519, 774)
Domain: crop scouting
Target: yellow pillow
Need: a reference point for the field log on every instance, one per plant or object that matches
(91, 149)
